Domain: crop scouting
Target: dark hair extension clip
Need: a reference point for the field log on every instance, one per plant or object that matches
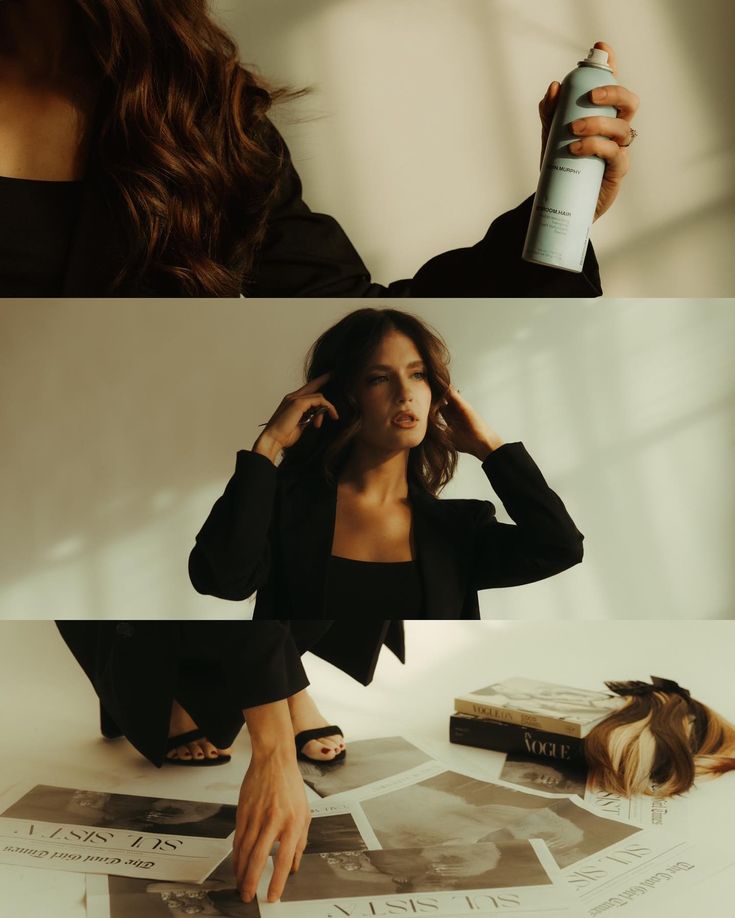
(657, 684)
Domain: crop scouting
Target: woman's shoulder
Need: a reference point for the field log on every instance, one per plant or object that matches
(460, 511)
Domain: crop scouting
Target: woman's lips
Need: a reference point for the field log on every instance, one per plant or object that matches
(405, 421)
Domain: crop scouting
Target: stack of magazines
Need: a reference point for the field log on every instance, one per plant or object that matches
(532, 718)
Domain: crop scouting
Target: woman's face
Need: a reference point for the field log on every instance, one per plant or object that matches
(394, 395)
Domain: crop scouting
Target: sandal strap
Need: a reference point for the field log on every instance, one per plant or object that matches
(317, 733)
(183, 738)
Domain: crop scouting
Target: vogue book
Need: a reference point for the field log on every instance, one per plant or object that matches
(545, 706)
(471, 730)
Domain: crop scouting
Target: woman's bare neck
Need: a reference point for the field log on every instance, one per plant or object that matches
(377, 477)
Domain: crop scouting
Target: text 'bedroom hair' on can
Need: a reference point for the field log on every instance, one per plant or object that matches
(569, 185)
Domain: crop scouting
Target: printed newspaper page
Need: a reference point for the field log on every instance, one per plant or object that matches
(603, 860)
(96, 832)
(444, 880)
(368, 762)
(563, 778)
(334, 828)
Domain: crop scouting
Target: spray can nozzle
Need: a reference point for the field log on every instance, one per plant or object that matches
(597, 58)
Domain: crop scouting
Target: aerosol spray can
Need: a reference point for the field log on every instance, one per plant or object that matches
(569, 185)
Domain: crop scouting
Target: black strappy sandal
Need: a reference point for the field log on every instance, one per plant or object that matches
(317, 733)
(181, 740)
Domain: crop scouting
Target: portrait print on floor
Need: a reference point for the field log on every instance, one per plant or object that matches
(555, 777)
(96, 832)
(124, 811)
(125, 897)
(368, 761)
(451, 808)
(415, 870)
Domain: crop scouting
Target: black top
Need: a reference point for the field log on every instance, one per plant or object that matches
(373, 589)
(35, 234)
(272, 531)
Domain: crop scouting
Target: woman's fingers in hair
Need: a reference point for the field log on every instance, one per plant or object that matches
(310, 405)
(314, 385)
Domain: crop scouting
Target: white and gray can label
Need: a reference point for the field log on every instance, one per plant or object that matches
(569, 185)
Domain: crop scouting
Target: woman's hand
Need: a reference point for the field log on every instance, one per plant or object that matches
(469, 433)
(305, 406)
(608, 138)
(272, 806)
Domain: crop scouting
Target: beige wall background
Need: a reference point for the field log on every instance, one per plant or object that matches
(422, 125)
(119, 424)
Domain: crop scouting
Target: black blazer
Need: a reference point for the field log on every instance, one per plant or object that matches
(134, 667)
(307, 254)
(272, 531)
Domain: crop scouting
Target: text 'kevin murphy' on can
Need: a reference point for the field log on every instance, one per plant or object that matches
(566, 197)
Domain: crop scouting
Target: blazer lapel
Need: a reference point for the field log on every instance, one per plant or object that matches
(436, 556)
(307, 531)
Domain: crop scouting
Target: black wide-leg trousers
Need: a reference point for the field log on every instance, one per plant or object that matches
(213, 669)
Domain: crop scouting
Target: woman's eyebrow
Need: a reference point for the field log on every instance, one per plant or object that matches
(384, 366)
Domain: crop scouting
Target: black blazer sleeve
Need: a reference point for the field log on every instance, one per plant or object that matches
(232, 555)
(307, 254)
(544, 540)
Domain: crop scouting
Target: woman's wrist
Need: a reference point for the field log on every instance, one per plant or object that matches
(488, 445)
(271, 731)
(266, 446)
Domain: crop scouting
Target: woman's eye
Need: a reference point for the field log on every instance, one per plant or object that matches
(373, 380)
(419, 374)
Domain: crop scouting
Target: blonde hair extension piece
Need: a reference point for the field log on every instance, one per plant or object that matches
(658, 742)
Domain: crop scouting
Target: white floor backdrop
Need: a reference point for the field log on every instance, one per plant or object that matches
(48, 720)
(120, 425)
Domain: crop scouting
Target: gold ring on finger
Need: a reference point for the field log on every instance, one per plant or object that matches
(631, 137)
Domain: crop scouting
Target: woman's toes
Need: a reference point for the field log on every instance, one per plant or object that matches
(321, 749)
(183, 752)
(197, 749)
(315, 749)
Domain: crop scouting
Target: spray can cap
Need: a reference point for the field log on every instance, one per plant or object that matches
(596, 58)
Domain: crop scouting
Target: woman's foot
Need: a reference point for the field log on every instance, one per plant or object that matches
(180, 723)
(305, 716)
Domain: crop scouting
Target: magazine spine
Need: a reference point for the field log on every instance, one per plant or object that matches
(504, 737)
(492, 713)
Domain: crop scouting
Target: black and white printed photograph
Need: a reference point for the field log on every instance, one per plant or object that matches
(415, 870)
(194, 818)
(555, 777)
(336, 832)
(453, 809)
(126, 897)
(131, 898)
(575, 705)
(368, 761)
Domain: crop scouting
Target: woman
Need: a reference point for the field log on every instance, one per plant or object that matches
(349, 526)
(137, 159)
(162, 683)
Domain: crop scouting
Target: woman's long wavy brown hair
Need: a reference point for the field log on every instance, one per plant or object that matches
(181, 135)
(344, 350)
